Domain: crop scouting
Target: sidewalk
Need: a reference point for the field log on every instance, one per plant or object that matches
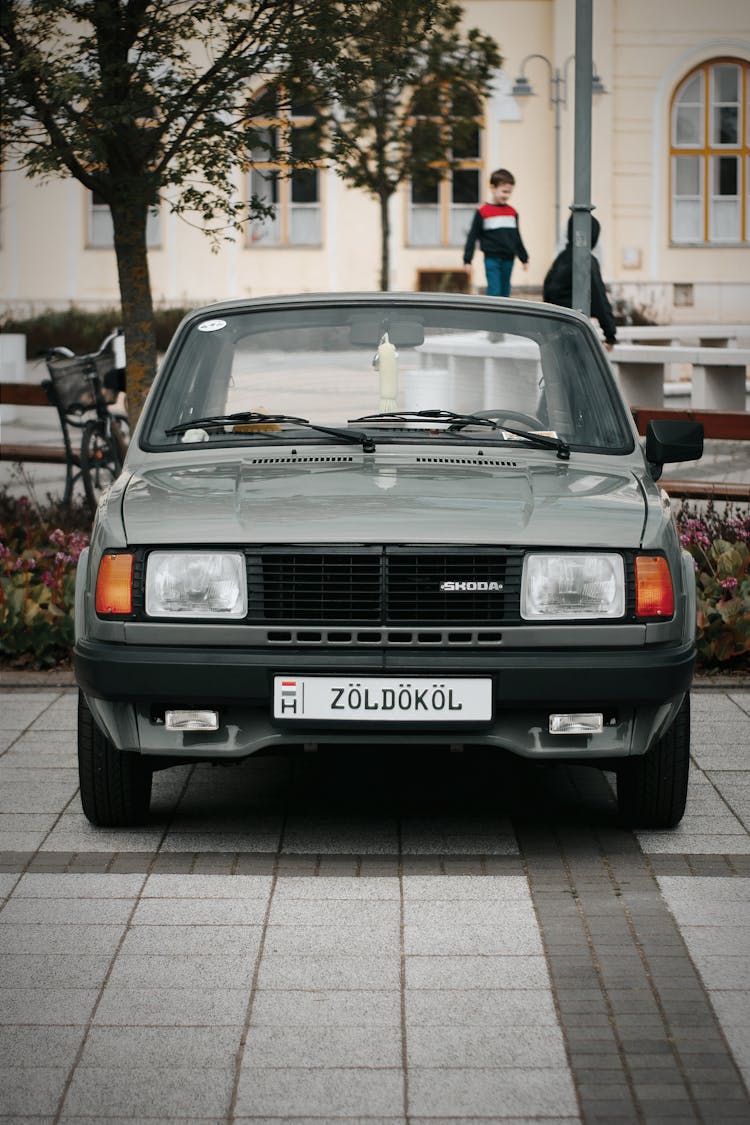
(374, 937)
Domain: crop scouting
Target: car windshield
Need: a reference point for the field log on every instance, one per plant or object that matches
(396, 370)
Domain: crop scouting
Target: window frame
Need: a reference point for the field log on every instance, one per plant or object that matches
(106, 240)
(445, 205)
(708, 151)
(284, 121)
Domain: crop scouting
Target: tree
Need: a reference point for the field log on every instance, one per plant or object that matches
(407, 87)
(142, 100)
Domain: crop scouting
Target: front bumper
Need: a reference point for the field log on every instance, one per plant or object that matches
(128, 686)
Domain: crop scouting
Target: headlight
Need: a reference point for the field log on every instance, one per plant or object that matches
(564, 587)
(196, 584)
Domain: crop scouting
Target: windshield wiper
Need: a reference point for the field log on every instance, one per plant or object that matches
(252, 417)
(428, 416)
(562, 447)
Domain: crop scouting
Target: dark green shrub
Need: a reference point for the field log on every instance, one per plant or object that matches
(82, 330)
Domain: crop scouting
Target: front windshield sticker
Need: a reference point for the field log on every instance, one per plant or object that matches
(212, 325)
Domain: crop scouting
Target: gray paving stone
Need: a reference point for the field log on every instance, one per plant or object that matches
(171, 1007)
(191, 971)
(7, 883)
(280, 971)
(208, 887)
(472, 1047)
(534, 1092)
(40, 970)
(330, 1047)
(458, 888)
(65, 885)
(166, 1047)
(338, 888)
(22, 708)
(166, 941)
(46, 1005)
(517, 916)
(329, 1094)
(326, 940)
(66, 911)
(329, 1007)
(26, 790)
(516, 971)
(216, 841)
(483, 940)
(80, 940)
(31, 1046)
(200, 912)
(371, 915)
(324, 834)
(496, 1008)
(146, 1091)
(26, 1091)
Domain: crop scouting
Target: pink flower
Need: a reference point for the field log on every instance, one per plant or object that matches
(729, 584)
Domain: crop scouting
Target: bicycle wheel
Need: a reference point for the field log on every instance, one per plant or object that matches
(100, 461)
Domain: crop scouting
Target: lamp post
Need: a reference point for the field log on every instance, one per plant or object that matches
(558, 99)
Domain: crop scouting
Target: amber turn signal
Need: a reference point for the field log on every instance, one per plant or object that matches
(654, 596)
(114, 585)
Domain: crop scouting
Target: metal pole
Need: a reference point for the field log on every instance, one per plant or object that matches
(556, 100)
(582, 206)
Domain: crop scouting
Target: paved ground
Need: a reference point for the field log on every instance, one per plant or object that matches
(372, 937)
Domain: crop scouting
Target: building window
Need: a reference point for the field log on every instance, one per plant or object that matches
(293, 190)
(443, 199)
(710, 155)
(101, 231)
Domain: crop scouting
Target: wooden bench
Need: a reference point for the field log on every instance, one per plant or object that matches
(719, 374)
(30, 394)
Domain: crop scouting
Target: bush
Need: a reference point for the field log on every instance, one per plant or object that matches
(39, 550)
(82, 330)
(720, 547)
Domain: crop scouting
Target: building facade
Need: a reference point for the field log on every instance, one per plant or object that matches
(670, 183)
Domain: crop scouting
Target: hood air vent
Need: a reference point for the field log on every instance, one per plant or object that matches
(330, 459)
(466, 461)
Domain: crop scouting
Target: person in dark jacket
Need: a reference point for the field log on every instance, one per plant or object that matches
(558, 284)
(495, 227)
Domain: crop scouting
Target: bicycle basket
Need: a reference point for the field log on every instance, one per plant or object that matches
(72, 384)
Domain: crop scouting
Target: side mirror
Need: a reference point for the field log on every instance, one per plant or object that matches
(672, 440)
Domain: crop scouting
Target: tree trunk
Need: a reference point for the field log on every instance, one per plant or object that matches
(129, 220)
(385, 241)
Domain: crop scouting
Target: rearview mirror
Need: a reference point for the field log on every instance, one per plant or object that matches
(368, 331)
(673, 439)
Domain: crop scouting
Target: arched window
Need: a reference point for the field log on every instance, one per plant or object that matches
(290, 126)
(443, 199)
(710, 155)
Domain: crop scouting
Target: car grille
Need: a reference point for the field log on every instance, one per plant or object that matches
(386, 586)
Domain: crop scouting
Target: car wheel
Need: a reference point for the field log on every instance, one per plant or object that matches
(115, 784)
(652, 788)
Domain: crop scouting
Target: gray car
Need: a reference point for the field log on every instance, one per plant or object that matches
(368, 518)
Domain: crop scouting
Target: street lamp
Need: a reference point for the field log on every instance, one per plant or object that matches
(558, 97)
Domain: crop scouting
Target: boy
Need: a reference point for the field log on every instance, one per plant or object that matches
(495, 225)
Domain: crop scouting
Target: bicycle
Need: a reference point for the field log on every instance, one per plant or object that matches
(88, 393)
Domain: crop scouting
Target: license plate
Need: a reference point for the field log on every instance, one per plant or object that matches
(382, 699)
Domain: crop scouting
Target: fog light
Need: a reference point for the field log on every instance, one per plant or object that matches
(582, 722)
(191, 720)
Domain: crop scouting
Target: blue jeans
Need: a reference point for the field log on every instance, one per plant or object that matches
(498, 272)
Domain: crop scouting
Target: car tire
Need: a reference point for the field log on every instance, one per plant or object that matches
(652, 788)
(115, 784)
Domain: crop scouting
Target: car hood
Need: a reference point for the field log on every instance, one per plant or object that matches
(353, 498)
